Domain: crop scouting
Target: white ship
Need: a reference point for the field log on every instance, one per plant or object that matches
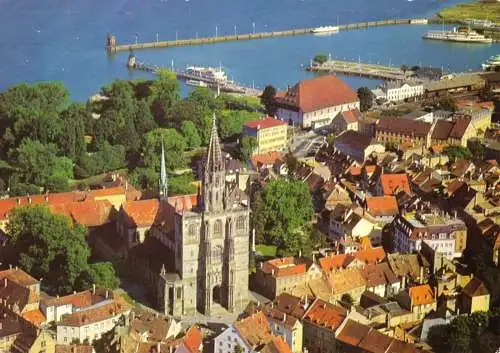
(492, 64)
(206, 74)
(458, 34)
(325, 29)
(196, 83)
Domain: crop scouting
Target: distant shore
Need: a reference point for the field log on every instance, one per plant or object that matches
(480, 10)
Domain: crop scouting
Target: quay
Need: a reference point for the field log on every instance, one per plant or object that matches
(229, 86)
(112, 45)
(353, 68)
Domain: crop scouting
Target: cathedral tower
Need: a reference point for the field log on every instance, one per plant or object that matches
(214, 175)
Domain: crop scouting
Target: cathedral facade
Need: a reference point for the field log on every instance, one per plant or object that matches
(209, 244)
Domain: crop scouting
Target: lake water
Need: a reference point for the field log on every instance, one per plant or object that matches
(64, 39)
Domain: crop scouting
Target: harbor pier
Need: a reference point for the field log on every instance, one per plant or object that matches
(113, 46)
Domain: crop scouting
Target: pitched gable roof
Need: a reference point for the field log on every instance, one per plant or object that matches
(89, 213)
(282, 267)
(318, 93)
(403, 126)
(264, 123)
(475, 288)
(255, 329)
(324, 314)
(382, 206)
(18, 276)
(392, 183)
(351, 116)
(276, 345)
(421, 295)
(193, 339)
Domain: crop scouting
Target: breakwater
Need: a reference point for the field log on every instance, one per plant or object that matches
(113, 46)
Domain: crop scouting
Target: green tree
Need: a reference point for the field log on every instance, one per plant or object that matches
(248, 145)
(181, 185)
(366, 97)
(320, 59)
(347, 298)
(231, 122)
(103, 274)
(257, 218)
(457, 152)
(203, 97)
(165, 92)
(73, 120)
(287, 209)
(267, 99)
(191, 135)
(144, 120)
(48, 246)
(448, 103)
(174, 149)
(144, 178)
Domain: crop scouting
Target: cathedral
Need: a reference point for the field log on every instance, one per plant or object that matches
(204, 266)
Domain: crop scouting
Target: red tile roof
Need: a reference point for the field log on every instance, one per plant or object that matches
(255, 329)
(18, 276)
(266, 159)
(392, 183)
(318, 93)
(183, 202)
(382, 206)
(403, 126)
(264, 123)
(421, 295)
(353, 332)
(351, 116)
(283, 267)
(326, 315)
(277, 345)
(141, 213)
(193, 339)
(36, 317)
(89, 213)
(367, 256)
(375, 342)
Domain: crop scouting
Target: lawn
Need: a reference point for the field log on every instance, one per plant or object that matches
(480, 10)
(266, 250)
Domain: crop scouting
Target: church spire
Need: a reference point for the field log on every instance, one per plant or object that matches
(214, 182)
(163, 182)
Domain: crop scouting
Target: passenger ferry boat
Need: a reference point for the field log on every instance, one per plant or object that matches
(209, 74)
(325, 29)
(458, 34)
(492, 64)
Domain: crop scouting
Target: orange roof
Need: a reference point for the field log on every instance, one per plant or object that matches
(193, 339)
(474, 105)
(118, 190)
(421, 295)
(87, 213)
(277, 345)
(333, 261)
(283, 267)
(351, 116)
(35, 317)
(266, 159)
(371, 256)
(100, 313)
(264, 123)
(142, 212)
(183, 202)
(368, 256)
(18, 276)
(382, 206)
(254, 329)
(324, 314)
(355, 171)
(79, 300)
(318, 93)
(353, 332)
(392, 183)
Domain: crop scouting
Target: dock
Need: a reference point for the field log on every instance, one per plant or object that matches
(357, 68)
(229, 86)
(112, 44)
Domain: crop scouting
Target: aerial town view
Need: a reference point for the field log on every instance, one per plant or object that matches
(231, 176)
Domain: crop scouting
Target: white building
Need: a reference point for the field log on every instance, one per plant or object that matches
(399, 91)
(89, 325)
(315, 102)
(441, 233)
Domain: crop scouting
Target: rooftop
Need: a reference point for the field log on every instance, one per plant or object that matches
(255, 329)
(392, 183)
(403, 126)
(282, 267)
(382, 206)
(475, 288)
(324, 314)
(421, 295)
(264, 123)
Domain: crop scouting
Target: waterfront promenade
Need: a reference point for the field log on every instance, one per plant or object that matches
(353, 68)
(113, 46)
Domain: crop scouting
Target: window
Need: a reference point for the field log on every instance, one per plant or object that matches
(192, 230)
(218, 227)
(240, 223)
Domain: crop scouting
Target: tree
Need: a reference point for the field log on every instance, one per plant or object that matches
(191, 135)
(248, 145)
(320, 59)
(231, 122)
(291, 164)
(174, 149)
(457, 152)
(366, 97)
(165, 93)
(103, 274)
(48, 246)
(267, 99)
(448, 103)
(287, 209)
(144, 120)
(181, 185)
(73, 121)
(257, 218)
(347, 298)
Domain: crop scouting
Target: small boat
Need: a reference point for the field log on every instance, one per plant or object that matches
(325, 29)
(196, 83)
(492, 64)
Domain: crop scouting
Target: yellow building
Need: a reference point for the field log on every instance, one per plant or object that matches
(475, 297)
(270, 133)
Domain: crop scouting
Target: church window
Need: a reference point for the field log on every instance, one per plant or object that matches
(240, 223)
(192, 230)
(218, 227)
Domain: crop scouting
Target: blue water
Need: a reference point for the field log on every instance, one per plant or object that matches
(64, 39)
